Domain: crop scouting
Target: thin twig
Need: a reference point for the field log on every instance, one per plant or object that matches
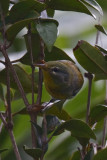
(90, 77)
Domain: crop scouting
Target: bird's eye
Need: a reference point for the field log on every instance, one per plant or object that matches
(55, 69)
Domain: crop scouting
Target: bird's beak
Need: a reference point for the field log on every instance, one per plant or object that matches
(42, 66)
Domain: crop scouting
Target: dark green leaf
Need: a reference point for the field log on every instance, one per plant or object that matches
(101, 155)
(68, 5)
(101, 29)
(47, 29)
(76, 156)
(1, 92)
(4, 5)
(21, 9)
(52, 123)
(98, 113)
(54, 110)
(14, 29)
(50, 12)
(78, 129)
(89, 155)
(3, 150)
(24, 78)
(38, 133)
(101, 49)
(93, 4)
(91, 59)
(35, 153)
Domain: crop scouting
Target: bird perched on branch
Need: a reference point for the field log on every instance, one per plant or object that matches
(62, 78)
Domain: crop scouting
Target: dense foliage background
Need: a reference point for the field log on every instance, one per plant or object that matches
(73, 26)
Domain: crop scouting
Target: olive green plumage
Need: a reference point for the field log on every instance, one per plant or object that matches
(62, 78)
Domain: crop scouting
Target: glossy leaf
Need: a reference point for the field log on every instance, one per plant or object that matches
(93, 4)
(78, 129)
(4, 5)
(14, 29)
(47, 29)
(55, 54)
(101, 29)
(21, 9)
(35, 153)
(104, 51)
(68, 5)
(91, 59)
(98, 113)
(24, 78)
(101, 155)
(3, 150)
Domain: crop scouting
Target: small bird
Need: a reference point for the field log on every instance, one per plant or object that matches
(62, 78)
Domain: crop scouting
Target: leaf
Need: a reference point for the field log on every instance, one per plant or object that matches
(101, 49)
(89, 155)
(68, 5)
(4, 5)
(55, 54)
(76, 156)
(54, 110)
(91, 59)
(3, 150)
(98, 113)
(101, 29)
(47, 29)
(52, 123)
(50, 12)
(24, 78)
(14, 29)
(78, 128)
(35, 153)
(101, 155)
(1, 92)
(21, 9)
(93, 4)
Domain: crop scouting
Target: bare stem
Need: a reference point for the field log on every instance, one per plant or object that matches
(90, 77)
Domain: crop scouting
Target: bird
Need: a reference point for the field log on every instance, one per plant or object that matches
(62, 78)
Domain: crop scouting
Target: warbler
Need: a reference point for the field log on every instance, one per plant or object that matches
(62, 78)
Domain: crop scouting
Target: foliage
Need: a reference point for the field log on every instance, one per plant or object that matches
(61, 125)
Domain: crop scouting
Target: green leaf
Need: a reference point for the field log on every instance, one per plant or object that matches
(1, 92)
(101, 49)
(76, 156)
(91, 59)
(89, 155)
(55, 110)
(101, 29)
(50, 12)
(98, 113)
(3, 150)
(93, 4)
(68, 5)
(21, 9)
(4, 5)
(14, 29)
(101, 155)
(47, 29)
(35, 153)
(24, 78)
(78, 128)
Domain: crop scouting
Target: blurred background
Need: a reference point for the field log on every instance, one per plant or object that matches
(72, 27)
